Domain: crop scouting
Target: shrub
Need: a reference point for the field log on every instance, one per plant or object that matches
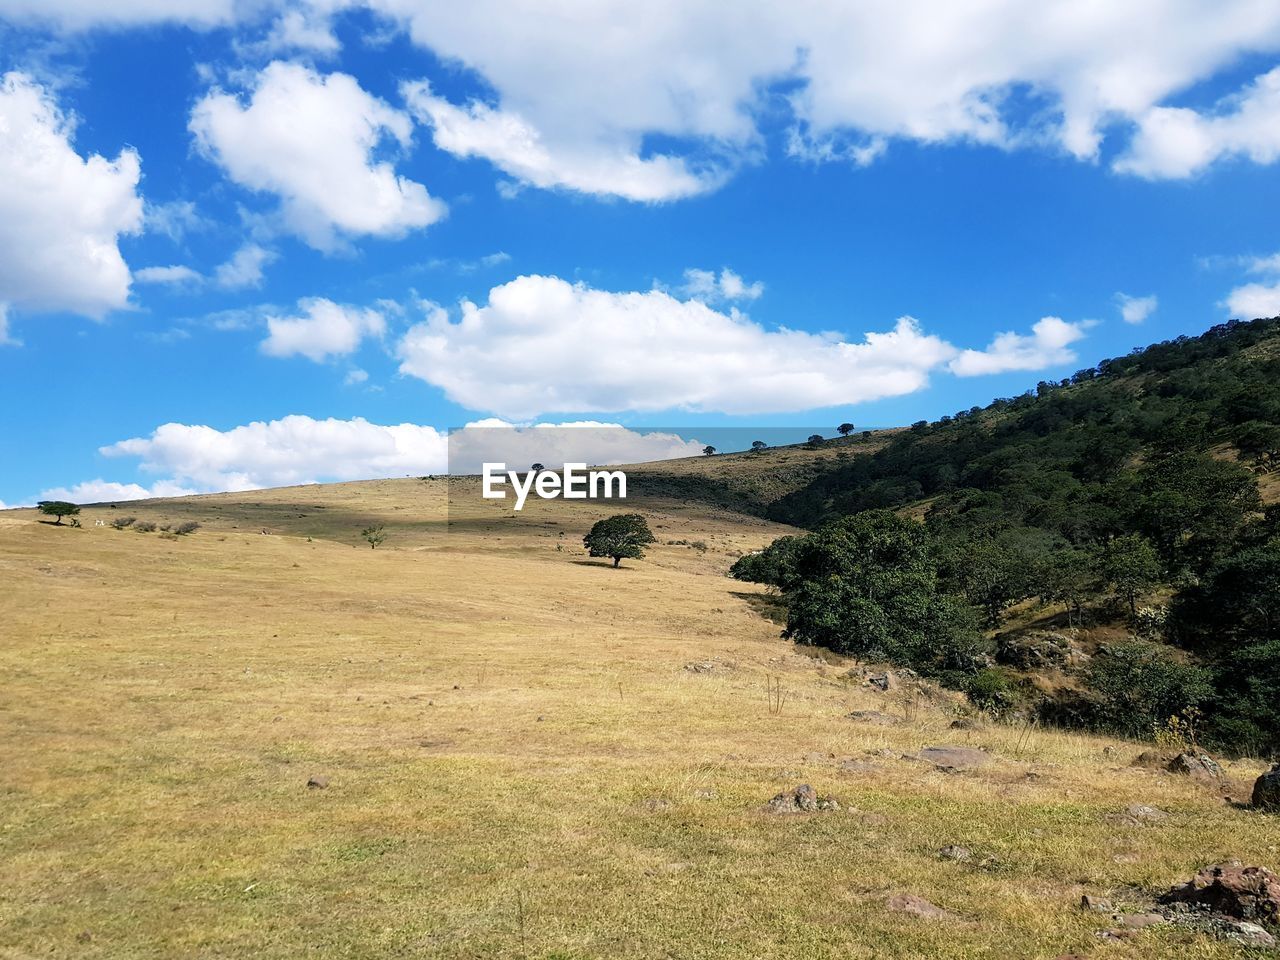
(1139, 685)
(121, 522)
(774, 565)
(992, 690)
(189, 526)
(144, 526)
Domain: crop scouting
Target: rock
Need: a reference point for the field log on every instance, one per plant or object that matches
(966, 723)
(1266, 791)
(1198, 766)
(1032, 649)
(875, 718)
(953, 852)
(803, 799)
(1138, 814)
(1248, 933)
(318, 782)
(954, 759)
(1096, 904)
(656, 804)
(918, 907)
(708, 666)
(1140, 921)
(1233, 890)
(857, 766)
(882, 681)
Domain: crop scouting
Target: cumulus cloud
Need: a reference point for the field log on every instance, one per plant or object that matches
(245, 268)
(292, 450)
(323, 329)
(168, 276)
(931, 71)
(108, 491)
(61, 215)
(1261, 298)
(174, 219)
(610, 165)
(1047, 346)
(1136, 309)
(311, 140)
(705, 285)
(1180, 142)
(543, 345)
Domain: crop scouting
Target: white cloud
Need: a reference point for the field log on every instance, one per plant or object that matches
(324, 329)
(108, 491)
(543, 345)
(168, 276)
(1175, 142)
(1136, 309)
(704, 285)
(1254, 300)
(5, 339)
(302, 30)
(1261, 299)
(82, 14)
(1047, 346)
(310, 140)
(355, 377)
(578, 95)
(520, 149)
(61, 215)
(174, 219)
(292, 450)
(245, 267)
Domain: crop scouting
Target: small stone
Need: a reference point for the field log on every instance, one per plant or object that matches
(1140, 921)
(656, 804)
(916, 906)
(1095, 904)
(318, 782)
(953, 852)
(803, 799)
(875, 718)
(954, 759)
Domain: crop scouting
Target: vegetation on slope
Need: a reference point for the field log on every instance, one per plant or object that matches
(1134, 480)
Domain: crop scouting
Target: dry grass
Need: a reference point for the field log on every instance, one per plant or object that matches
(519, 764)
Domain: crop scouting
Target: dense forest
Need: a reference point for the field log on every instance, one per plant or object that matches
(1122, 505)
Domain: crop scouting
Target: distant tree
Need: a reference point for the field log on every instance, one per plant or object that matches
(845, 429)
(622, 537)
(759, 446)
(57, 509)
(815, 440)
(537, 468)
(1191, 506)
(1131, 567)
(375, 535)
(708, 450)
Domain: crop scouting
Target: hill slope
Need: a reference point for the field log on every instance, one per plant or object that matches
(527, 754)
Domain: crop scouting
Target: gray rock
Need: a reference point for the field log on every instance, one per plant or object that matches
(318, 782)
(1198, 766)
(955, 852)
(1096, 904)
(916, 906)
(954, 759)
(875, 718)
(1266, 791)
(1032, 649)
(803, 799)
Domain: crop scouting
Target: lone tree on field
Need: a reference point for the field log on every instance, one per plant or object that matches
(57, 509)
(759, 446)
(624, 535)
(375, 535)
(815, 440)
(708, 450)
(845, 429)
(537, 468)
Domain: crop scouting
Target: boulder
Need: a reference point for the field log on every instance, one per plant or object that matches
(955, 852)
(1231, 889)
(1094, 904)
(803, 799)
(1266, 791)
(875, 718)
(318, 782)
(1197, 766)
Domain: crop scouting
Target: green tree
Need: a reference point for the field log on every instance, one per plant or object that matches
(775, 565)
(1139, 684)
(866, 585)
(375, 535)
(1130, 567)
(845, 429)
(1192, 506)
(622, 536)
(758, 446)
(708, 450)
(57, 509)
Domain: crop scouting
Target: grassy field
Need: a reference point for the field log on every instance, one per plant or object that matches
(520, 761)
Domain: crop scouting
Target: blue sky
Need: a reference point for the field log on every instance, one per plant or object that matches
(272, 242)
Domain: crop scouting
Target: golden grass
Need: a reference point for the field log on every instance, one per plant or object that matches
(520, 765)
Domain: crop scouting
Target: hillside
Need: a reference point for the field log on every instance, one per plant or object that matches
(525, 753)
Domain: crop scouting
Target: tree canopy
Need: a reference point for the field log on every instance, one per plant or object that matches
(622, 537)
